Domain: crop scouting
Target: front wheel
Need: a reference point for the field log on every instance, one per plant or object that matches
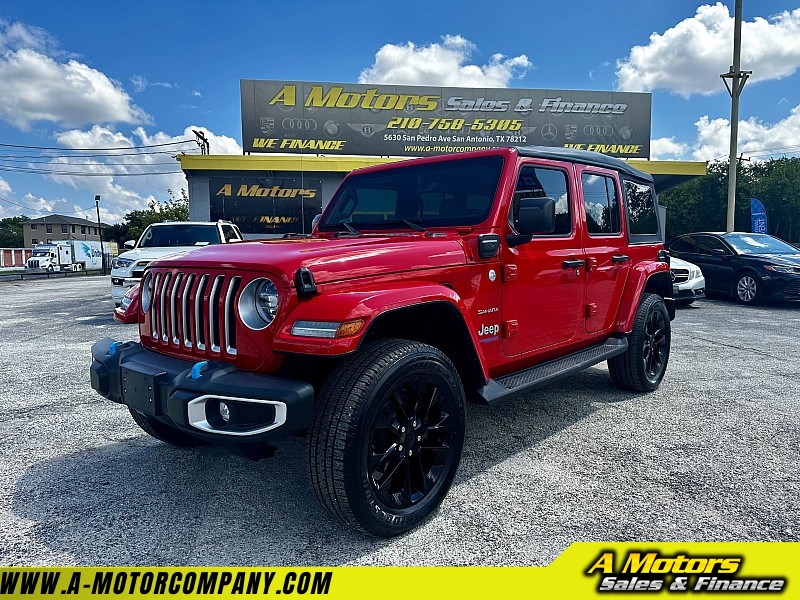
(387, 436)
(748, 289)
(641, 368)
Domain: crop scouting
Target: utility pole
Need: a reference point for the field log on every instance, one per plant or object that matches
(100, 233)
(738, 79)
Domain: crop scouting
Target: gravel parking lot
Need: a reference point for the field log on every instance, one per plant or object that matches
(710, 456)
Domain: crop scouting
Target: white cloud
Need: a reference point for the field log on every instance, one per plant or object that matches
(130, 177)
(35, 86)
(5, 187)
(689, 57)
(667, 149)
(442, 64)
(140, 83)
(757, 140)
(14, 36)
(197, 94)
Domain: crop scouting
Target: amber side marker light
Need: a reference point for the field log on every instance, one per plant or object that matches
(327, 329)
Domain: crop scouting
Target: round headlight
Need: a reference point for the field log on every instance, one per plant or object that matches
(258, 303)
(146, 291)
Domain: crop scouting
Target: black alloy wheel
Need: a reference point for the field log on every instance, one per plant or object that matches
(410, 440)
(641, 368)
(654, 351)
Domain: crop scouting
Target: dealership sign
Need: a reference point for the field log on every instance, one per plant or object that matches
(265, 205)
(388, 120)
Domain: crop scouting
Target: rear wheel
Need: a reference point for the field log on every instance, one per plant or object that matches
(387, 436)
(163, 432)
(641, 368)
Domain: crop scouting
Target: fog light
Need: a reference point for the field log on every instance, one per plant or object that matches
(224, 412)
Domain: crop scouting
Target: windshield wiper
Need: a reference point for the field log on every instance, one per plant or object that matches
(339, 224)
(407, 222)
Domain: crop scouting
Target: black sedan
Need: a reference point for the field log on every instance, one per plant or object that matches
(747, 266)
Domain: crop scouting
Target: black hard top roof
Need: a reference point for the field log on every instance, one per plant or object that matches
(583, 156)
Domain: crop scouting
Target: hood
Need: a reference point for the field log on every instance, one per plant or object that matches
(674, 261)
(330, 259)
(156, 252)
(778, 259)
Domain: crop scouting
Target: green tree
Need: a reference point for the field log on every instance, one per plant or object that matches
(11, 232)
(135, 222)
(702, 204)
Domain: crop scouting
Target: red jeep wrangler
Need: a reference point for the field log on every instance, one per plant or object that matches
(426, 282)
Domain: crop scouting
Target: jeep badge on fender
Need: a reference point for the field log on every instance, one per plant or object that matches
(370, 335)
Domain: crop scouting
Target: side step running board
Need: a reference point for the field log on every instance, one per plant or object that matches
(522, 382)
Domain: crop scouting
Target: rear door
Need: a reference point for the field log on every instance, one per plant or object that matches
(607, 262)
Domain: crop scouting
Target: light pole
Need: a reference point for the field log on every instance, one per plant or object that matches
(100, 233)
(738, 79)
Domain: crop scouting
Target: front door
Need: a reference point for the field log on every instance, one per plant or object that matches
(544, 279)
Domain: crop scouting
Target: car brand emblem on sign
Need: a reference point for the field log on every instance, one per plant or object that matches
(570, 132)
(267, 125)
(549, 132)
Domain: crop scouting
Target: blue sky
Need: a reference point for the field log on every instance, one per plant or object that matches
(106, 74)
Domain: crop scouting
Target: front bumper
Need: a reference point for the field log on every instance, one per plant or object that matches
(120, 286)
(689, 290)
(188, 395)
(782, 287)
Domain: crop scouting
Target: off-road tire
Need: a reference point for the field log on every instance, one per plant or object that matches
(644, 363)
(748, 288)
(163, 432)
(386, 436)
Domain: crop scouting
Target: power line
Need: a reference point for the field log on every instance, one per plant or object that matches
(38, 210)
(61, 148)
(83, 174)
(52, 156)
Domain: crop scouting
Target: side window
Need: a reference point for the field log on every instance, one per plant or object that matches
(64, 229)
(539, 182)
(49, 228)
(682, 244)
(707, 245)
(229, 233)
(601, 203)
(642, 218)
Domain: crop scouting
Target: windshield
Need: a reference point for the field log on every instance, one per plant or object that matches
(179, 234)
(456, 192)
(759, 243)
(41, 253)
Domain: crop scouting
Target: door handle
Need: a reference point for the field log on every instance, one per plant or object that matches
(619, 258)
(573, 263)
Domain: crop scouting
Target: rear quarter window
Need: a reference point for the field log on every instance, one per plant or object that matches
(641, 212)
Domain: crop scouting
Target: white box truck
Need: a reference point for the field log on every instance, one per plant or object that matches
(67, 255)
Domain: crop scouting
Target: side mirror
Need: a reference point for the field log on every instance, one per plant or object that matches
(536, 216)
(129, 245)
(315, 220)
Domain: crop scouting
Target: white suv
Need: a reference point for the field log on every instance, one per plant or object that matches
(162, 239)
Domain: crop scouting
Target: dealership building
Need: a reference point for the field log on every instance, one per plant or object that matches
(301, 138)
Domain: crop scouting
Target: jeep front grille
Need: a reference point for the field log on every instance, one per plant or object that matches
(194, 312)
